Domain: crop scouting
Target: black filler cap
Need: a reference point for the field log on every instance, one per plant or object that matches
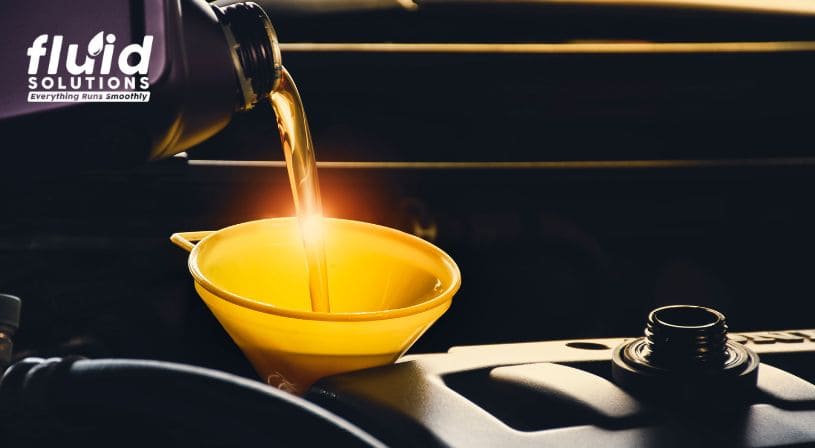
(9, 311)
(685, 354)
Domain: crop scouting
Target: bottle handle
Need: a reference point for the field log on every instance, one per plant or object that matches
(187, 240)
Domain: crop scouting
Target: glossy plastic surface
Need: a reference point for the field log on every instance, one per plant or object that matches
(561, 394)
(386, 288)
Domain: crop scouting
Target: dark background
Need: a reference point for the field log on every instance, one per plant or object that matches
(545, 252)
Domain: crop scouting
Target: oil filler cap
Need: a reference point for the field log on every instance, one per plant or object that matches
(685, 355)
(9, 311)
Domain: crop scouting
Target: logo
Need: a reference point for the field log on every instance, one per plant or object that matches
(94, 73)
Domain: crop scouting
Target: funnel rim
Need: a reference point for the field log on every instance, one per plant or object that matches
(444, 296)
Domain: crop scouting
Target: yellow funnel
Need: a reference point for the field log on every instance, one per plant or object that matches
(386, 289)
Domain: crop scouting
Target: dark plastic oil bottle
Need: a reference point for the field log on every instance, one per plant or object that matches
(89, 83)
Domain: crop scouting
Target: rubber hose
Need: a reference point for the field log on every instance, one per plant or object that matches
(208, 404)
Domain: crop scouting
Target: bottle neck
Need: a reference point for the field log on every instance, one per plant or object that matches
(255, 51)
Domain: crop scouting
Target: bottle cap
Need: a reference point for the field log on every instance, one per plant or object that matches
(9, 311)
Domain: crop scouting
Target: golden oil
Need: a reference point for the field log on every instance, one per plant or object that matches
(298, 149)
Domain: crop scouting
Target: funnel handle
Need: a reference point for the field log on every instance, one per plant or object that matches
(187, 240)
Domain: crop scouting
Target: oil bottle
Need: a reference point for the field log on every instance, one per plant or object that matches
(88, 83)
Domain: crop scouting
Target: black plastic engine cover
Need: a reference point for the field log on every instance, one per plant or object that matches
(560, 393)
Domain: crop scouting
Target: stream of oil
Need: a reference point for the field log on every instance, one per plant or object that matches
(305, 187)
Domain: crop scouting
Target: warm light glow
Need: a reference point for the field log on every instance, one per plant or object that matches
(301, 165)
(311, 227)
